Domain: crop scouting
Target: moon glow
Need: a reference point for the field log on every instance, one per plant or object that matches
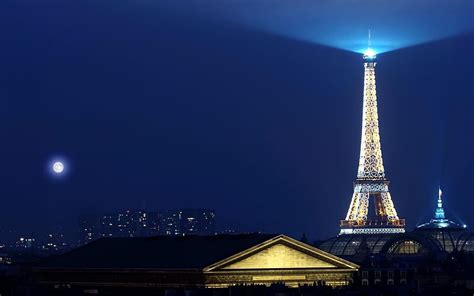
(58, 167)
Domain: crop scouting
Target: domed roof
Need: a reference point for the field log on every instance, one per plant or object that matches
(439, 220)
(350, 244)
(440, 234)
(449, 239)
(448, 235)
(416, 242)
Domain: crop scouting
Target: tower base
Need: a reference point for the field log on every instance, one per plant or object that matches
(375, 226)
(363, 230)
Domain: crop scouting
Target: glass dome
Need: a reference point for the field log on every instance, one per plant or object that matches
(438, 235)
(449, 239)
(447, 234)
(418, 241)
(350, 244)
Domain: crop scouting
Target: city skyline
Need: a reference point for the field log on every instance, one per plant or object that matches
(190, 117)
(236, 147)
(125, 223)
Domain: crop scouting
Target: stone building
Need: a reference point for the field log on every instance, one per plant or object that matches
(216, 261)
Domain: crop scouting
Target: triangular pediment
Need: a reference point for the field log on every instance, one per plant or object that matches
(279, 256)
(281, 252)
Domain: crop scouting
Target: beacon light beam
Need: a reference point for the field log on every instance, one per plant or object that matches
(336, 24)
(369, 53)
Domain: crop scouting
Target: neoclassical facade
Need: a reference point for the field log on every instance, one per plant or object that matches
(194, 261)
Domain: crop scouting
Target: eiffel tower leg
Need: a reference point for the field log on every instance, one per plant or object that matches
(353, 208)
(363, 206)
(388, 206)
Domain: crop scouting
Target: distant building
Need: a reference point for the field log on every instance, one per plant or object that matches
(129, 224)
(139, 223)
(121, 224)
(170, 223)
(189, 221)
(88, 231)
(154, 223)
(54, 242)
(25, 243)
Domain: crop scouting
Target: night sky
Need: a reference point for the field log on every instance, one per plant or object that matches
(158, 106)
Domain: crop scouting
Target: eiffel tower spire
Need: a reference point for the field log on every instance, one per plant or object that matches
(371, 184)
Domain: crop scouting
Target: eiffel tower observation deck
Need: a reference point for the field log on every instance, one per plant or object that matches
(371, 184)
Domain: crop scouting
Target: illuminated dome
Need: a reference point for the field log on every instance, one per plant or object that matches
(448, 235)
(439, 220)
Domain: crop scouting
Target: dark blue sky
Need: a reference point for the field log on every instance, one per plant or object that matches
(159, 107)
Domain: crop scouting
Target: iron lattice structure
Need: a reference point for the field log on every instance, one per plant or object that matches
(371, 183)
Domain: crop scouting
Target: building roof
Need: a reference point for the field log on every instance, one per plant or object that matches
(282, 252)
(447, 239)
(160, 252)
(350, 244)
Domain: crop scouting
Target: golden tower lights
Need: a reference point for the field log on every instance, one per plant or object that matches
(371, 184)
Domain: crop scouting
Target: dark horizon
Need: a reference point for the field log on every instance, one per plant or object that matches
(156, 112)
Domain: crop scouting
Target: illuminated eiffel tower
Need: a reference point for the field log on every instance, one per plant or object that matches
(371, 185)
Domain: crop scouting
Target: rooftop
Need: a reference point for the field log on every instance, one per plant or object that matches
(178, 252)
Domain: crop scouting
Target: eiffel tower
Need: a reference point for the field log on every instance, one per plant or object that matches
(371, 185)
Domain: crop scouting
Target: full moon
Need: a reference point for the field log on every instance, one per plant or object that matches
(58, 167)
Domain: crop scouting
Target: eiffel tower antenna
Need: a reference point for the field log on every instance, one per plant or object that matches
(369, 53)
(371, 185)
(370, 43)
